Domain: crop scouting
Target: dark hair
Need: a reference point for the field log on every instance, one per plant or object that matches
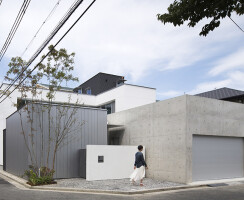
(140, 147)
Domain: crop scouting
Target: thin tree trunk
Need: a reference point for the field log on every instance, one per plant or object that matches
(49, 134)
(26, 144)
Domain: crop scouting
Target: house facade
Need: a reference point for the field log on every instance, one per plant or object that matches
(29, 139)
(116, 96)
(187, 138)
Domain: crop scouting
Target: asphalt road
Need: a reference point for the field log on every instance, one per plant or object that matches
(236, 192)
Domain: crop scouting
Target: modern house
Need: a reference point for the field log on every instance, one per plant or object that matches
(188, 138)
(112, 94)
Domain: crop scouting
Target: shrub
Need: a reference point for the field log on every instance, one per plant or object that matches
(46, 176)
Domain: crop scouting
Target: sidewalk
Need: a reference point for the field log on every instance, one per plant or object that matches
(119, 185)
(122, 186)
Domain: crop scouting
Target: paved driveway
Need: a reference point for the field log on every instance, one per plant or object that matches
(235, 192)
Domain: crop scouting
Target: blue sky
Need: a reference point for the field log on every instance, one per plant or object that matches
(125, 38)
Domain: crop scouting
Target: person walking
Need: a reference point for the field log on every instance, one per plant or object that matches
(139, 167)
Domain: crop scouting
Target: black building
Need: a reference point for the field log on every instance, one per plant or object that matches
(226, 94)
(99, 83)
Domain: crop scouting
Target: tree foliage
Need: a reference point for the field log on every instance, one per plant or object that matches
(194, 11)
(56, 71)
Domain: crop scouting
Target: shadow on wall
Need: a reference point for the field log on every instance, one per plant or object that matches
(115, 137)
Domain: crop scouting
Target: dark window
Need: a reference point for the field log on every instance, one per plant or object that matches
(108, 107)
(79, 91)
(100, 159)
(88, 91)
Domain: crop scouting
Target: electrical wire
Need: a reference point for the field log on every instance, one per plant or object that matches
(67, 15)
(47, 18)
(14, 27)
(236, 24)
(56, 29)
(50, 49)
(12, 31)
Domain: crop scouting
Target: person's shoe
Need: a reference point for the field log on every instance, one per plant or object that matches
(141, 184)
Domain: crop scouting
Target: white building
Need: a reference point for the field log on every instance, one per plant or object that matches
(103, 90)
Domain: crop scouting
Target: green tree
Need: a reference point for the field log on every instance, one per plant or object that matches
(194, 11)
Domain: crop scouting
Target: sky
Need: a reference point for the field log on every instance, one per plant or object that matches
(125, 38)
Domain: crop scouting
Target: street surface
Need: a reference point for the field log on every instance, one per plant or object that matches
(235, 192)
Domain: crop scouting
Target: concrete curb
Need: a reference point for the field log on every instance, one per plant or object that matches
(14, 178)
(114, 191)
(62, 189)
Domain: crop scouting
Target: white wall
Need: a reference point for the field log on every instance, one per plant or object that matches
(127, 96)
(118, 161)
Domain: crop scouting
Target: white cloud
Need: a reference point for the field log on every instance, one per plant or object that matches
(171, 93)
(233, 61)
(235, 80)
(207, 86)
(120, 37)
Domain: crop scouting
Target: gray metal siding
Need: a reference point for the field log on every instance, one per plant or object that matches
(216, 157)
(93, 131)
(16, 152)
(4, 149)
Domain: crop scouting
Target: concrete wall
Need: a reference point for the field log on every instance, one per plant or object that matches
(118, 162)
(167, 127)
(93, 131)
(161, 127)
(212, 117)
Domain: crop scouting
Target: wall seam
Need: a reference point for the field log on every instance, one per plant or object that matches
(186, 138)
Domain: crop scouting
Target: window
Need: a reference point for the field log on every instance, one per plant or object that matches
(88, 90)
(110, 107)
(79, 91)
(100, 159)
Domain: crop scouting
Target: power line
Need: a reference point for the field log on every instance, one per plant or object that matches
(14, 27)
(51, 49)
(56, 29)
(236, 24)
(47, 18)
(67, 15)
